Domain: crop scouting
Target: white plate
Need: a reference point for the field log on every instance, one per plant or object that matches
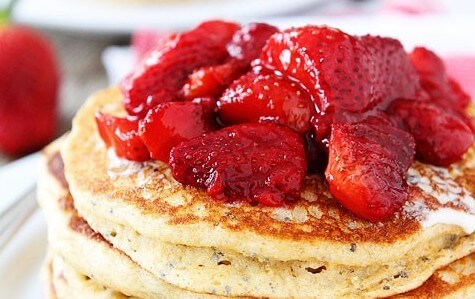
(21, 261)
(125, 16)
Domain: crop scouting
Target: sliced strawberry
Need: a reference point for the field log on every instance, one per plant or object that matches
(171, 123)
(210, 81)
(122, 135)
(160, 76)
(442, 90)
(245, 46)
(259, 163)
(258, 97)
(368, 161)
(441, 137)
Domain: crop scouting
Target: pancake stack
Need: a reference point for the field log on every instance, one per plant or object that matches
(120, 229)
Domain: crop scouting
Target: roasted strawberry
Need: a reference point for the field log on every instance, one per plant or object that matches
(441, 136)
(442, 90)
(259, 163)
(351, 73)
(171, 123)
(257, 97)
(293, 98)
(29, 84)
(121, 133)
(340, 71)
(162, 73)
(245, 46)
(368, 161)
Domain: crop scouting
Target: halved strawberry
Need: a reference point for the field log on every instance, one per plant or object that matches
(122, 135)
(258, 163)
(171, 123)
(259, 97)
(368, 161)
(343, 73)
(160, 76)
(441, 136)
(351, 73)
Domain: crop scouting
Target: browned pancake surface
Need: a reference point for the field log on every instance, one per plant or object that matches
(148, 188)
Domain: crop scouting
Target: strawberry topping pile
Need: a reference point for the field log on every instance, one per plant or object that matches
(245, 112)
(162, 73)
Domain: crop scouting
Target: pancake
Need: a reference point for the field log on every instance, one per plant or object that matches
(72, 239)
(454, 281)
(214, 271)
(457, 279)
(47, 278)
(65, 282)
(143, 200)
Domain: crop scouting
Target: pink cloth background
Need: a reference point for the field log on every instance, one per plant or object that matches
(460, 67)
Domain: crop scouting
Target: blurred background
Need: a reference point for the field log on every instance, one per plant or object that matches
(96, 41)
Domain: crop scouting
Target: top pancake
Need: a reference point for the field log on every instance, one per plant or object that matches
(146, 197)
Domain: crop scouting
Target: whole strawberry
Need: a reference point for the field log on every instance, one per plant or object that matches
(28, 90)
